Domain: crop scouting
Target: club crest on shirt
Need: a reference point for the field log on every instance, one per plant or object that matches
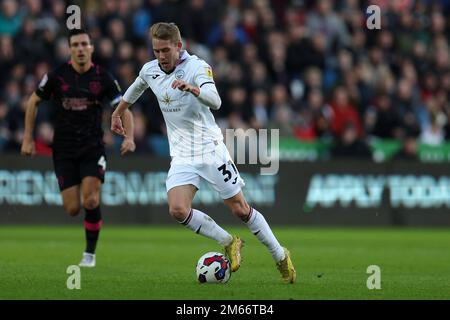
(179, 74)
(95, 87)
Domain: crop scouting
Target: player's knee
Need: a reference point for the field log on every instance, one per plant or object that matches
(178, 212)
(72, 209)
(91, 202)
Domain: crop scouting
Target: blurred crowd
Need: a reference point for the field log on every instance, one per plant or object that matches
(311, 69)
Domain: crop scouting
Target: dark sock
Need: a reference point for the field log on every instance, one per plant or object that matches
(92, 224)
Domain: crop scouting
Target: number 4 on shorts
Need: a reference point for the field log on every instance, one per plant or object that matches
(102, 162)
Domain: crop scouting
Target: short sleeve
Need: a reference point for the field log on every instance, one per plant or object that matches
(136, 89)
(46, 86)
(203, 75)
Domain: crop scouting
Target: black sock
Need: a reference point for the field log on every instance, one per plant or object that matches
(92, 224)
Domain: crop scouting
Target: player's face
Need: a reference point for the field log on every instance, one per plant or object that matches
(81, 49)
(167, 53)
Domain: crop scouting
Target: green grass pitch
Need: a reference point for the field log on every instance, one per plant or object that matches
(159, 263)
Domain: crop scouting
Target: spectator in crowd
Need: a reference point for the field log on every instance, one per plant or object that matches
(409, 150)
(344, 112)
(350, 145)
(260, 112)
(44, 139)
(10, 17)
(322, 114)
(434, 133)
(324, 20)
(281, 111)
(304, 125)
(382, 120)
(4, 130)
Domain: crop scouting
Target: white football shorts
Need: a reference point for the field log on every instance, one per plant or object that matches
(216, 167)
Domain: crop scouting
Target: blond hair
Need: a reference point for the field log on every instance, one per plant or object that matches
(166, 31)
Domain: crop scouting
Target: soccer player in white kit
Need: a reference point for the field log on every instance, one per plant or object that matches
(185, 89)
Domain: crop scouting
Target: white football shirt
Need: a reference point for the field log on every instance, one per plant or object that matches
(191, 127)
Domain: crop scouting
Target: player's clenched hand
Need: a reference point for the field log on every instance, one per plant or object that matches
(183, 86)
(28, 148)
(128, 145)
(116, 125)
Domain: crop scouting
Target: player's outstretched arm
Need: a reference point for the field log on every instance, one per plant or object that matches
(28, 148)
(128, 144)
(116, 118)
(131, 95)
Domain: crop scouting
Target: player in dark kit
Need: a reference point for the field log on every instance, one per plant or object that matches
(78, 88)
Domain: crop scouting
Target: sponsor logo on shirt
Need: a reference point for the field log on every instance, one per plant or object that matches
(76, 104)
(166, 99)
(170, 109)
(208, 72)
